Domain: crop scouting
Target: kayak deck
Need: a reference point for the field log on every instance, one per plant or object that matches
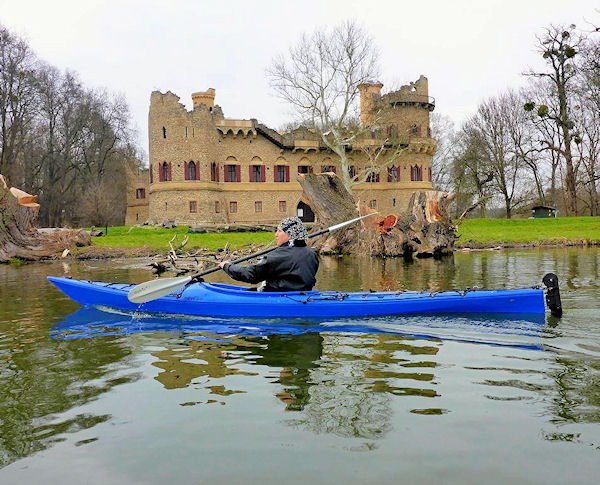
(222, 300)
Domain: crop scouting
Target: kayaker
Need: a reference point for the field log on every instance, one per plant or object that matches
(290, 267)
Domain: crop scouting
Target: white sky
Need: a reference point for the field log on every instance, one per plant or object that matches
(468, 50)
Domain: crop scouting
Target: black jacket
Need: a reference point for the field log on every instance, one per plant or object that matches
(287, 268)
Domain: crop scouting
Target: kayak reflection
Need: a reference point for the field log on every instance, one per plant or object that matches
(505, 330)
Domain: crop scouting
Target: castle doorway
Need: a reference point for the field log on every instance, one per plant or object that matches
(305, 213)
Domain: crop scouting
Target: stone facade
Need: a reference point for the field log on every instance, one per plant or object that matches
(205, 168)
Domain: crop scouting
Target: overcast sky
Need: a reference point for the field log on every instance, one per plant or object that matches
(468, 50)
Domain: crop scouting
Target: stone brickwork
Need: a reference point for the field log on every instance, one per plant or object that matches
(137, 197)
(202, 136)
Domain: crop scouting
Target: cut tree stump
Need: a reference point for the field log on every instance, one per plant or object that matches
(424, 229)
(18, 236)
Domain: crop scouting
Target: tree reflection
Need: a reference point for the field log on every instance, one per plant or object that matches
(338, 383)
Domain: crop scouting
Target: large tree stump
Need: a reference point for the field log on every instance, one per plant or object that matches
(18, 236)
(424, 229)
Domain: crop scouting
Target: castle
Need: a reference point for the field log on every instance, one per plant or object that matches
(205, 168)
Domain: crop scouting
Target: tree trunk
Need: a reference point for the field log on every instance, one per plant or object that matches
(424, 229)
(18, 236)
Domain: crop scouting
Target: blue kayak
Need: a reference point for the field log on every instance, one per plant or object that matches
(221, 300)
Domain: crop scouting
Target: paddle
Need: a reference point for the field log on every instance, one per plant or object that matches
(151, 290)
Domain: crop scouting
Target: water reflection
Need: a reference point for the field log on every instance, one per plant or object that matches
(339, 375)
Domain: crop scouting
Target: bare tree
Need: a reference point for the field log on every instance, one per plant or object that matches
(587, 120)
(442, 130)
(17, 96)
(320, 77)
(559, 46)
(471, 171)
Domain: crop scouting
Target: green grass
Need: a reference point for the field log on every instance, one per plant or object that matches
(133, 236)
(473, 232)
(560, 230)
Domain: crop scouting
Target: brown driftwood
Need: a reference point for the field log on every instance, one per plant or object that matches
(18, 236)
(423, 229)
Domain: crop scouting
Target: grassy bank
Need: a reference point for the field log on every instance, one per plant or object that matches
(475, 233)
(516, 232)
(133, 237)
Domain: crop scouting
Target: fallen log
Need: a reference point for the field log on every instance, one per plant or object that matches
(19, 238)
(424, 229)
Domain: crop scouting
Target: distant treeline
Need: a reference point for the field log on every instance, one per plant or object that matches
(69, 144)
(537, 145)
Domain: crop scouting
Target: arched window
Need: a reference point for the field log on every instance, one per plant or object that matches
(191, 171)
(393, 174)
(165, 172)
(416, 173)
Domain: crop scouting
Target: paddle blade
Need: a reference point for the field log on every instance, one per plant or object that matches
(151, 290)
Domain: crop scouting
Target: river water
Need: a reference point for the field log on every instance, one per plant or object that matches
(94, 397)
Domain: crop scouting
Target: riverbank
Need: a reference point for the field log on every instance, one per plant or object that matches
(551, 232)
(149, 241)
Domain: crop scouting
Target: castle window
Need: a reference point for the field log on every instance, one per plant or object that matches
(351, 171)
(217, 207)
(415, 130)
(416, 173)
(258, 206)
(373, 177)
(328, 168)
(191, 171)
(394, 202)
(429, 174)
(232, 173)
(282, 206)
(165, 172)
(393, 174)
(137, 216)
(232, 207)
(214, 172)
(392, 131)
(140, 193)
(373, 204)
(281, 173)
(164, 132)
(193, 207)
(186, 131)
(304, 169)
(257, 173)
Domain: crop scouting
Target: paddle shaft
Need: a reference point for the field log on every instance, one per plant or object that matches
(196, 276)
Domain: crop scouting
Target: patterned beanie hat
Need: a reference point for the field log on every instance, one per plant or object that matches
(293, 227)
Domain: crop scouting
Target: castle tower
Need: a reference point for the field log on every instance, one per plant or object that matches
(204, 97)
(370, 93)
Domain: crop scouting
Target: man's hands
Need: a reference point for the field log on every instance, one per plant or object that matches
(223, 263)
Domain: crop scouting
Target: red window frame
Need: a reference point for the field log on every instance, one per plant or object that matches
(277, 173)
(237, 170)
